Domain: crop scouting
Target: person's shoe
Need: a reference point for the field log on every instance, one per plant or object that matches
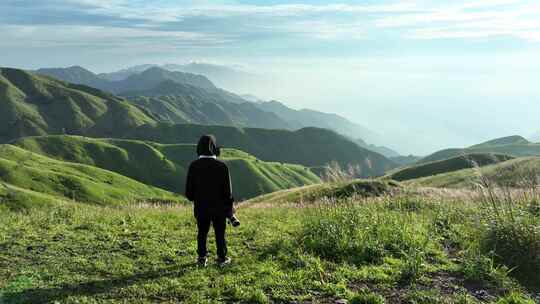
(224, 262)
(202, 261)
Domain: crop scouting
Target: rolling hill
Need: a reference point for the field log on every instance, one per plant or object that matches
(448, 165)
(511, 145)
(165, 166)
(28, 179)
(515, 173)
(36, 105)
(311, 147)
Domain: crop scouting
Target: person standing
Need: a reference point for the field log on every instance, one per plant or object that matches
(208, 186)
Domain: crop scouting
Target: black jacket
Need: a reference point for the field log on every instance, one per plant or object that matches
(208, 182)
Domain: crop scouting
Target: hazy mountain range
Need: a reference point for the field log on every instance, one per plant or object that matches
(144, 80)
(226, 77)
(180, 97)
(32, 104)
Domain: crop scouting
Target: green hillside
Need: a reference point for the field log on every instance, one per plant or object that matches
(165, 166)
(448, 165)
(512, 145)
(311, 147)
(38, 105)
(178, 103)
(31, 179)
(519, 172)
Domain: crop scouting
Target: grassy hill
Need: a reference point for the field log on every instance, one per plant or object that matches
(31, 179)
(38, 105)
(165, 166)
(448, 165)
(512, 145)
(311, 147)
(407, 248)
(511, 173)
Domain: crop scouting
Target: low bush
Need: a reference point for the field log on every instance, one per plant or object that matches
(367, 298)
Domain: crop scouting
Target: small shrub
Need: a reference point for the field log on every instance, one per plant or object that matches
(511, 229)
(516, 244)
(515, 298)
(413, 267)
(464, 298)
(367, 298)
(424, 297)
(533, 207)
(481, 268)
(257, 297)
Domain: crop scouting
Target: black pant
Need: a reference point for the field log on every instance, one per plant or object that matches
(203, 225)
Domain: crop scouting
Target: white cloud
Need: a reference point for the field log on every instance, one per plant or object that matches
(470, 20)
(98, 36)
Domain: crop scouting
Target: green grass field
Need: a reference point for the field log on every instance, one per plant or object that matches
(165, 166)
(404, 248)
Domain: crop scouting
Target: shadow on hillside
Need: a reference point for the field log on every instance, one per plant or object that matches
(59, 293)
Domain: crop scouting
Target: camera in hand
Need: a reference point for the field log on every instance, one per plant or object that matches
(234, 221)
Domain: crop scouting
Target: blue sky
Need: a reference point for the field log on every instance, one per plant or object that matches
(425, 74)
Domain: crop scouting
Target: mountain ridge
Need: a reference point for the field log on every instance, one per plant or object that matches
(155, 81)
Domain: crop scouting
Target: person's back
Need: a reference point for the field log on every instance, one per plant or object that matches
(208, 186)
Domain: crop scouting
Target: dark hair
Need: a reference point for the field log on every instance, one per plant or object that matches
(207, 146)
